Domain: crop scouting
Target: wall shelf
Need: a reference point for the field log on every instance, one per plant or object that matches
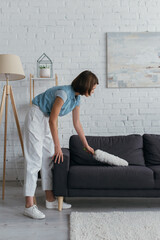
(32, 84)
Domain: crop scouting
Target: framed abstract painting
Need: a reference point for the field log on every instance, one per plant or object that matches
(133, 60)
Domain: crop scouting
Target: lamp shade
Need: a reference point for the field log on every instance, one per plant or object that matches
(11, 64)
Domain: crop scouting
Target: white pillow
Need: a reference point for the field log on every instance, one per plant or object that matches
(105, 157)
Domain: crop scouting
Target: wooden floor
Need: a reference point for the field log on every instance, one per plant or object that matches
(15, 226)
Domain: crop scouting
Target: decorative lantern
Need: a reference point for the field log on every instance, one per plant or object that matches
(44, 67)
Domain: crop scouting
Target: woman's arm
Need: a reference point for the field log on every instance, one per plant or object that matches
(58, 103)
(78, 127)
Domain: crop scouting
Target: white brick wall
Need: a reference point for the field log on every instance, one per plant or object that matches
(73, 34)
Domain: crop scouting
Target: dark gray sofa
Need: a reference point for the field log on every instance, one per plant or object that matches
(82, 176)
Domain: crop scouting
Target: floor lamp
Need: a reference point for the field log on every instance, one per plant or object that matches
(10, 69)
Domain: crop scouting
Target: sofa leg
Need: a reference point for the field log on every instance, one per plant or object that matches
(60, 203)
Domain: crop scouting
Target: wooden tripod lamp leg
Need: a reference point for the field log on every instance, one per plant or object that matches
(34, 200)
(2, 103)
(5, 144)
(4, 160)
(16, 118)
(8, 91)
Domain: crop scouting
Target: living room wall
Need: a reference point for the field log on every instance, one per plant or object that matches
(73, 34)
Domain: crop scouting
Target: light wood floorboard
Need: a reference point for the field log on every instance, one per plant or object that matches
(15, 226)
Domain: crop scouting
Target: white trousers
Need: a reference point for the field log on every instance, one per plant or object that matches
(38, 151)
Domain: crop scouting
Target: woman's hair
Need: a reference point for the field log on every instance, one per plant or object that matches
(84, 82)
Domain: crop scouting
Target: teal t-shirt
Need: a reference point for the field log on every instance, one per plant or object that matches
(45, 100)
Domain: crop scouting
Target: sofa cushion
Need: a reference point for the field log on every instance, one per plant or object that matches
(156, 171)
(151, 144)
(107, 177)
(129, 148)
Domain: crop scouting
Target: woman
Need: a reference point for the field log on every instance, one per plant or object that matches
(41, 142)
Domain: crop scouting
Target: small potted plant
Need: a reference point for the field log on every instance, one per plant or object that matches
(44, 71)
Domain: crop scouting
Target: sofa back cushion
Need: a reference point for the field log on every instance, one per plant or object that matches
(151, 144)
(128, 147)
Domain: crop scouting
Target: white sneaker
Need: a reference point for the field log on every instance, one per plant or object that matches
(33, 212)
(54, 205)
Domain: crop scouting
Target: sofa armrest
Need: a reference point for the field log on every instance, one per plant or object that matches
(60, 174)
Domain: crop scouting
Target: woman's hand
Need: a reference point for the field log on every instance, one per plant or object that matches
(89, 149)
(58, 155)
